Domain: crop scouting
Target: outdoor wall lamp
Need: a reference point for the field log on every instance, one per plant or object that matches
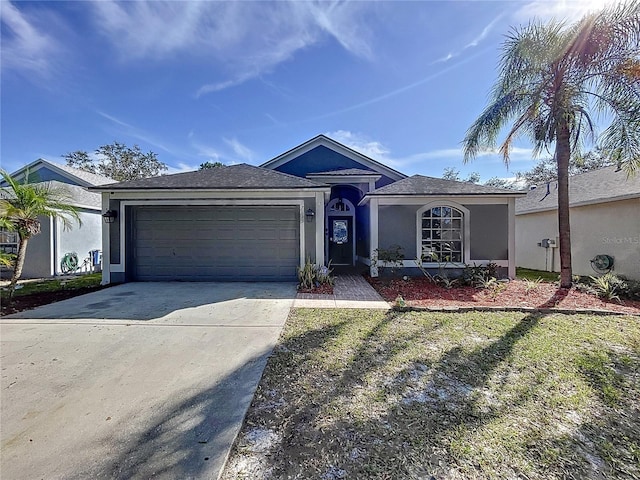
(310, 214)
(110, 216)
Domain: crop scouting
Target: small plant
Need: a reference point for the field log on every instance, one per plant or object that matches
(392, 258)
(312, 275)
(608, 286)
(531, 285)
(478, 275)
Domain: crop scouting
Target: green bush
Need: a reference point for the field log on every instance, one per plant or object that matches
(312, 275)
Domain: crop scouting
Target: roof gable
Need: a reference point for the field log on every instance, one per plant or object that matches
(335, 156)
(232, 177)
(598, 186)
(43, 170)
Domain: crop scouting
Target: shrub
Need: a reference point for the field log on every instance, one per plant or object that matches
(608, 285)
(392, 258)
(478, 275)
(312, 275)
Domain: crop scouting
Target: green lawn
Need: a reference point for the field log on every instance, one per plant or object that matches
(528, 274)
(360, 394)
(54, 284)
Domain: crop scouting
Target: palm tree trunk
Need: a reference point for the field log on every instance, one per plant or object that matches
(563, 154)
(17, 271)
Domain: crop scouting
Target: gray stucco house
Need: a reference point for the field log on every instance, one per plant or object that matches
(320, 200)
(46, 250)
(604, 206)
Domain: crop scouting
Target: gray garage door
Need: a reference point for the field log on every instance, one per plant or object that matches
(214, 243)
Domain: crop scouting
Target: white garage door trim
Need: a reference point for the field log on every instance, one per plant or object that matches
(230, 203)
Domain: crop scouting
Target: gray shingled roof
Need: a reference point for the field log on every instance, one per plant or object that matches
(88, 177)
(350, 172)
(80, 196)
(77, 196)
(597, 186)
(230, 177)
(421, 185)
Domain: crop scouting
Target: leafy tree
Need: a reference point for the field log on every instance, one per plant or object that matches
(118, 161)
(498, 182)
(546, 170)
(452, 173)
(553, 77)
(22, 205)
(207, 165)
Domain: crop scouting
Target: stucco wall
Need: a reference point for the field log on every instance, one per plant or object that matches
(611, 228)
(397, 226)
(488, 224)
(489, 232)
(38, 262)
(80, 239)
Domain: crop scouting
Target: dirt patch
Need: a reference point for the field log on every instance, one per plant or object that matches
(420, 292)
(33, 300)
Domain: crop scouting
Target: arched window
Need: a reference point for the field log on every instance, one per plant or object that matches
(442, 233)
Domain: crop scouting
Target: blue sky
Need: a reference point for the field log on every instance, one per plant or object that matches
(245, 81)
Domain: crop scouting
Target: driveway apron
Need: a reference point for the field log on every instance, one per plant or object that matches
(135, 381)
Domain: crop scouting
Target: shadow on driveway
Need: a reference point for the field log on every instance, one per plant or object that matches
(181, 302)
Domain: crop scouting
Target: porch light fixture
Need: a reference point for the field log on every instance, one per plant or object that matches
(310, 214)
(110, 216)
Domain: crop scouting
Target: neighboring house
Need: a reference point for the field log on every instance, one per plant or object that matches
(46, 250)
(320, 201)
(605, 220)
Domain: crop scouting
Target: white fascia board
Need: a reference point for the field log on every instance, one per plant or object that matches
(216, 194)
(422, 199)
(585, 203)
(336, 179)
(321, 140)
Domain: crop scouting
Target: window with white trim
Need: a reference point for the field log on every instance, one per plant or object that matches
(442, 234)
(8, 241)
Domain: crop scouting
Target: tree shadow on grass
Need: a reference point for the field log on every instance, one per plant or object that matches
(319, 423)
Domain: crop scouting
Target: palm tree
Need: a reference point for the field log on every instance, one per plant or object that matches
(22, 205)
(553, 78)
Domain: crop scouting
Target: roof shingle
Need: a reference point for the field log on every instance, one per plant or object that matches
(242, 176)
(421, 185)
(598, 186)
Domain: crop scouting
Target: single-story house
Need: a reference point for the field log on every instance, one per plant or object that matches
(46, 250)
(320, 201)
(605, 224)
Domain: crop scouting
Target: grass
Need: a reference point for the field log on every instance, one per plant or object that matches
(528, 274)
(367, 394)
(54, 285)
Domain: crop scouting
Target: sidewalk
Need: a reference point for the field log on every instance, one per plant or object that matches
(349, 291)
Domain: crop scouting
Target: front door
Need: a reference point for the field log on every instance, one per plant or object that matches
(341, 240)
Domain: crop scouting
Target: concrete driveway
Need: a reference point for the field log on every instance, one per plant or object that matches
(135, 381)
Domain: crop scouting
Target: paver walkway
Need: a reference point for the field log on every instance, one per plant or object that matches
(349, 291)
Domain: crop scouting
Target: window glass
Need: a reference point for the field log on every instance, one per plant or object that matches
(442, 235)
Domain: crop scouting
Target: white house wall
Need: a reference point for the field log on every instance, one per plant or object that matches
(80, 239)
(611, 228)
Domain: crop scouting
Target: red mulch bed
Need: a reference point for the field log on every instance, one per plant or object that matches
(420, 292)
(323, 289)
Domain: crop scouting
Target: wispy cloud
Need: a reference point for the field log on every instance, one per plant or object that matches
(473, 43)
(139, 134)
(27, 48)
(361, 143)
(243, 39)
(241, 151)
(485, 31)
(568, 10)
